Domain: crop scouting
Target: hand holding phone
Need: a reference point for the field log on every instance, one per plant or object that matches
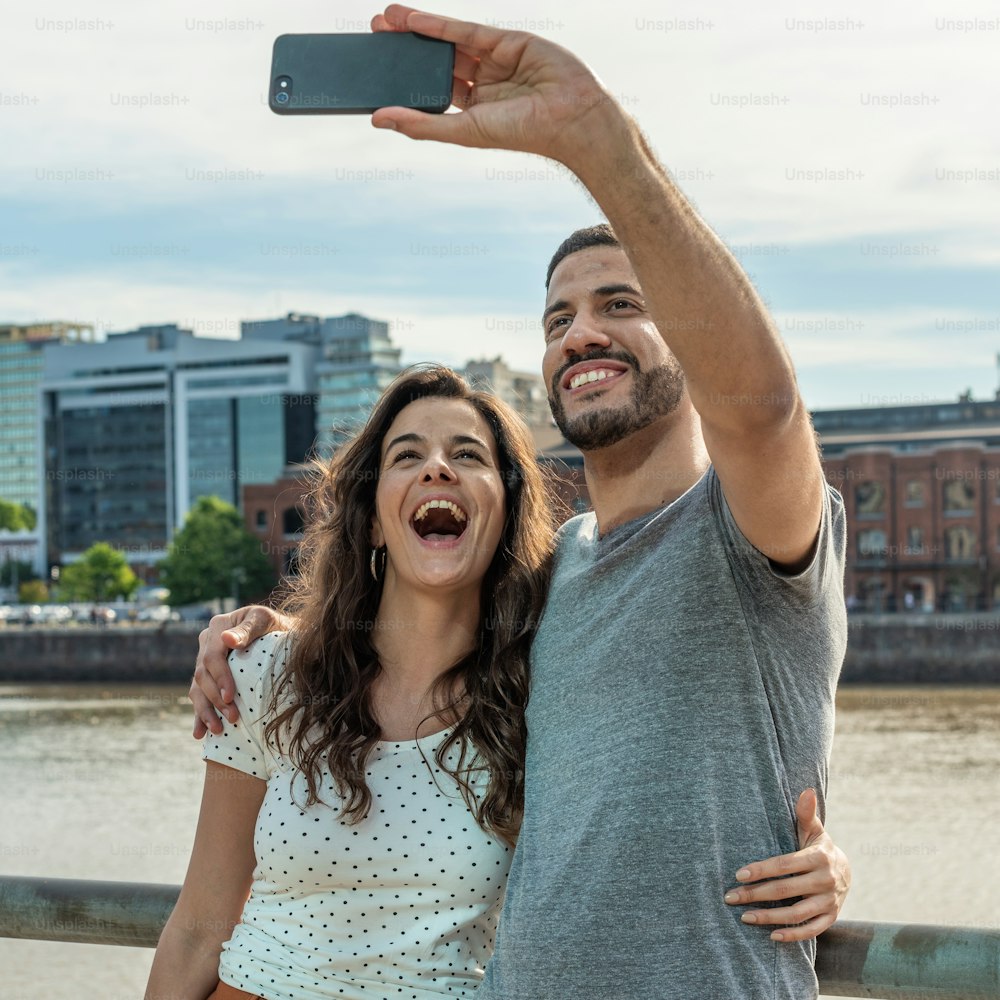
(516, 90)
(353, 74)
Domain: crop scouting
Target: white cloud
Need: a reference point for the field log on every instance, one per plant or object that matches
(750, 108)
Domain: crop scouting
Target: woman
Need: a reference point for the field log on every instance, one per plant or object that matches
(370, 796)
(375, 784)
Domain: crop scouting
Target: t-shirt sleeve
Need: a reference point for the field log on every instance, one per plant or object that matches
(757, 574)
(241, 745)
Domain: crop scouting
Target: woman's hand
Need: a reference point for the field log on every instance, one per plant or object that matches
(819, 873)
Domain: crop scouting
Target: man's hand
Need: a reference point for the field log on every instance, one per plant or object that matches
(819, 872)
(212, 687)
(518, 91)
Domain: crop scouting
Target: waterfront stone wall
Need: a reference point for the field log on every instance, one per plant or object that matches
(909, 649)
(117, 654)
(923, 649)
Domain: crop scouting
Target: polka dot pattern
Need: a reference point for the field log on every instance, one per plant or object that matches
(403, 904)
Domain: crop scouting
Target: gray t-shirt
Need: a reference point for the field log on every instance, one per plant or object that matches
(682, 698)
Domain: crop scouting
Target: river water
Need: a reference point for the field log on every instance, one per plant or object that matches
(106, 785)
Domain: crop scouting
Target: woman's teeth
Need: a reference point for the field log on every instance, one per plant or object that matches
(456, 511)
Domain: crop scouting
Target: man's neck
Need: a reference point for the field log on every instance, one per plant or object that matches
(648, 469)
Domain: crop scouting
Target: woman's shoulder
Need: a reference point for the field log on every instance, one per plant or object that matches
(257, 668)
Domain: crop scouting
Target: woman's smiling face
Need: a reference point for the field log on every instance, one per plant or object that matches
(439, 503)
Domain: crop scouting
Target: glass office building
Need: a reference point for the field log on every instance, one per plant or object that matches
(139, 427)
(357, 360)
(21, 361)
(108, 473)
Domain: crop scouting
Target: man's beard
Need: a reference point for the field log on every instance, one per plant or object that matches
(655, 393)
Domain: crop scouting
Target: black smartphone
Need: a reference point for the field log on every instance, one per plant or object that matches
(354, 74)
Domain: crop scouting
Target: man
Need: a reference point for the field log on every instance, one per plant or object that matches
(683, 673)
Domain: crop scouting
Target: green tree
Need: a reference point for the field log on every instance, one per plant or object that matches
(213, 555)
(102, 574)
(33, 592)
(16, 517)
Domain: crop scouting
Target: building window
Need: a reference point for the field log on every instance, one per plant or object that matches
(914, 493)
(959, 542)
(872, 595)
(871, 543)
(914, 540)
(869, 499)
(959, 497)
(292, 521)
(262, 519)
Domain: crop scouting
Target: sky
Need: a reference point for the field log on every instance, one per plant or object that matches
(843, 152)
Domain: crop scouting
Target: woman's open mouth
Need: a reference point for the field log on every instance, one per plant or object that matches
(440, 522)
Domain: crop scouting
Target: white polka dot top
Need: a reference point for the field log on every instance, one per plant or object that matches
(402, 904)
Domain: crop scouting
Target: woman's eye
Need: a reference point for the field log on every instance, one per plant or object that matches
(470, 454)
(404, 454)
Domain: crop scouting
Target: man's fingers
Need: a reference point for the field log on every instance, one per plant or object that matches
(803, 918)
(806, 931)
(248, 624)
(784, 864)
(395, 16)
(480, 37)
(808, 822)
(206, 693)
(237, 637)
(420, 125)
(782, 888)
(465, 66)
(205, 718)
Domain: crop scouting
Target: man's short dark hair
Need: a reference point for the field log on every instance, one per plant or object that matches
(600, 235)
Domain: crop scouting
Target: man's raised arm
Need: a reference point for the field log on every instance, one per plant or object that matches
(524, 93)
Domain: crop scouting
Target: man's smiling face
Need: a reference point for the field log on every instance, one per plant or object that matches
(607, 369)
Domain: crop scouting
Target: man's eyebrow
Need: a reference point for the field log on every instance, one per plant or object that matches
(555, 307)
(601, 292)
(617, 290)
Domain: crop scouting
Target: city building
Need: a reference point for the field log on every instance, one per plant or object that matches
(356, 361)
(21, 353)
(524, 392)
(921, 486)
(275, 513)
(20, 429)
(141, 425)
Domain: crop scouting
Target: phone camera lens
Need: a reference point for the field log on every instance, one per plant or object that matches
(282, 90)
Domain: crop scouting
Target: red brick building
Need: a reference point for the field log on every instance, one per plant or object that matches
(274, 513)
(921, 486)
(924, 526)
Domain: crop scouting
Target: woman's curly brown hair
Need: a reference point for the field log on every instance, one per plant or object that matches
(322, 713)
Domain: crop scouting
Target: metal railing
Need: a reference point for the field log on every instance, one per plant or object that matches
(855, 958)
